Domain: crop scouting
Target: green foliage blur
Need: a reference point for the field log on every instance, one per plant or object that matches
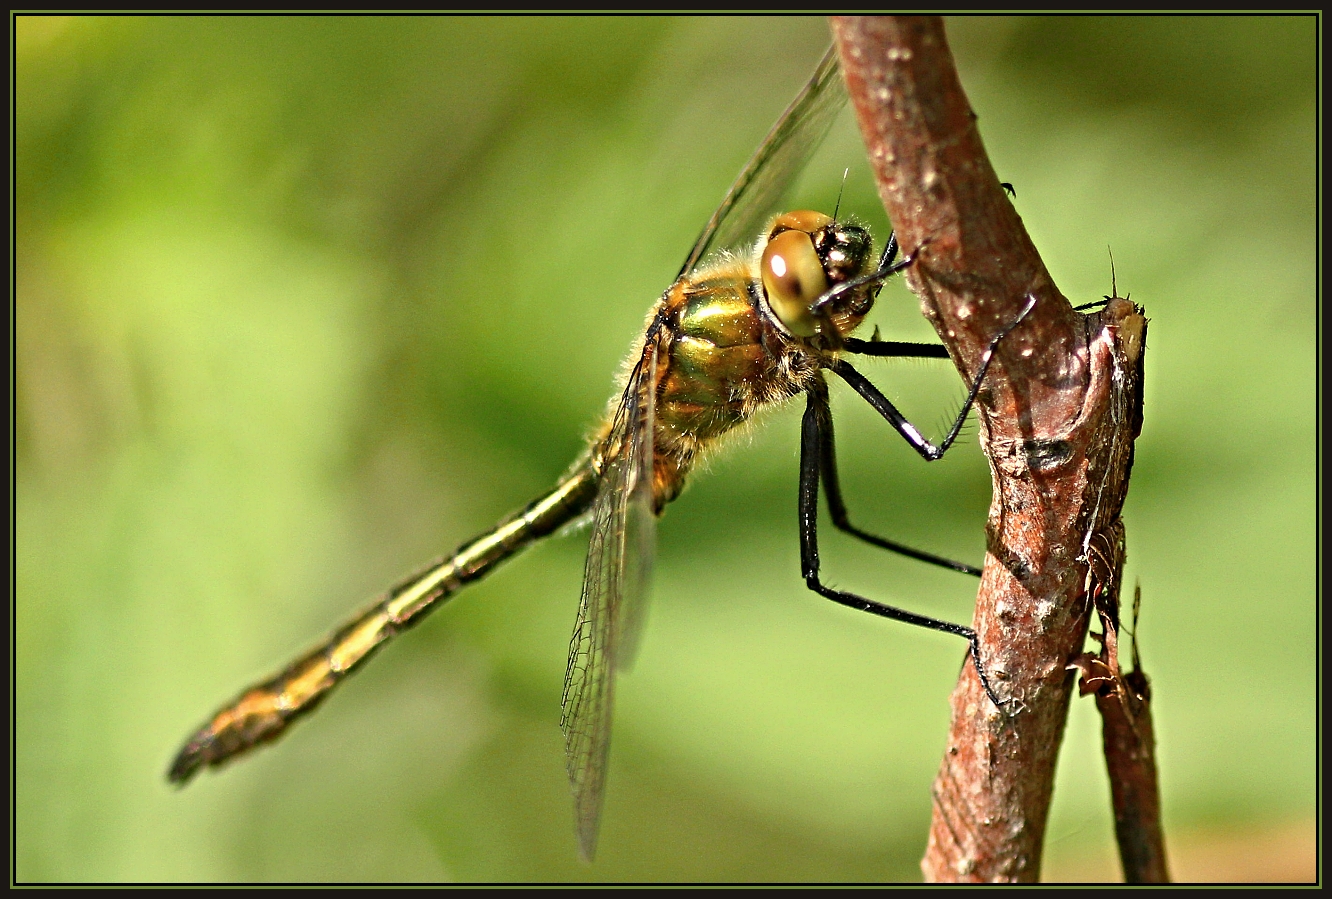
(304, 302)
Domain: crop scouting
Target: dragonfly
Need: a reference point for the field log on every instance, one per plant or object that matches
(747, 323)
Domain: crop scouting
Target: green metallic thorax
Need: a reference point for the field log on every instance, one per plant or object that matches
(718, 363)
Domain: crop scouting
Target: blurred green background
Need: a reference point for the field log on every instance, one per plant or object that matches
(303, 302)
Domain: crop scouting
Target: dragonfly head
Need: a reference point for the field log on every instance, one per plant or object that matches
(807, 254)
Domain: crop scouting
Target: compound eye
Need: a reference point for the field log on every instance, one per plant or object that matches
(793, 277)
(806, 220)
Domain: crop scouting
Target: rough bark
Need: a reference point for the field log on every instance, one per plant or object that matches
(1058, 414)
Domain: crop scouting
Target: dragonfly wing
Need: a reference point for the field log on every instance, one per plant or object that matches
(640, 542)
(615, 582)
(621, 545)
(755, 194)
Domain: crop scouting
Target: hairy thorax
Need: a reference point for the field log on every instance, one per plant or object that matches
(720, 359)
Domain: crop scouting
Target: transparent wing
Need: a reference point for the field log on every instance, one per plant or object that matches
(753, 197)
(622, 542)
(640, 526)
(615, 583)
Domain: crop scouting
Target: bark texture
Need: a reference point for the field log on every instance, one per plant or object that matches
(1058, 414)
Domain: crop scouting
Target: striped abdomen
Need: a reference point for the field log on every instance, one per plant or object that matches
(263, 712)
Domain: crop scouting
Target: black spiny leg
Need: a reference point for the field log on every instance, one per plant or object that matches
(928, 451)
(898, 348)
(887, 268)
(832, 489)
(816, 422)
(816, 462)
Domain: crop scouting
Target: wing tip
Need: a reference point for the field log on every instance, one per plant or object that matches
(587, 841)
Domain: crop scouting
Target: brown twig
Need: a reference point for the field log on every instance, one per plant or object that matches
(1052, 424)
(1130, 756)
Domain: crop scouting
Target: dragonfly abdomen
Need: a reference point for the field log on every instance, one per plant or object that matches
(262, 713)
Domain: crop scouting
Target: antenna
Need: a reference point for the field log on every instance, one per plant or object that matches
(846, 171)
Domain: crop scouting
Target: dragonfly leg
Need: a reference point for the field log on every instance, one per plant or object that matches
(1094, 304)
(927, 450)
(812, 442)
(896, 348)
(887, 268)
(889, 251)
(832, 490)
